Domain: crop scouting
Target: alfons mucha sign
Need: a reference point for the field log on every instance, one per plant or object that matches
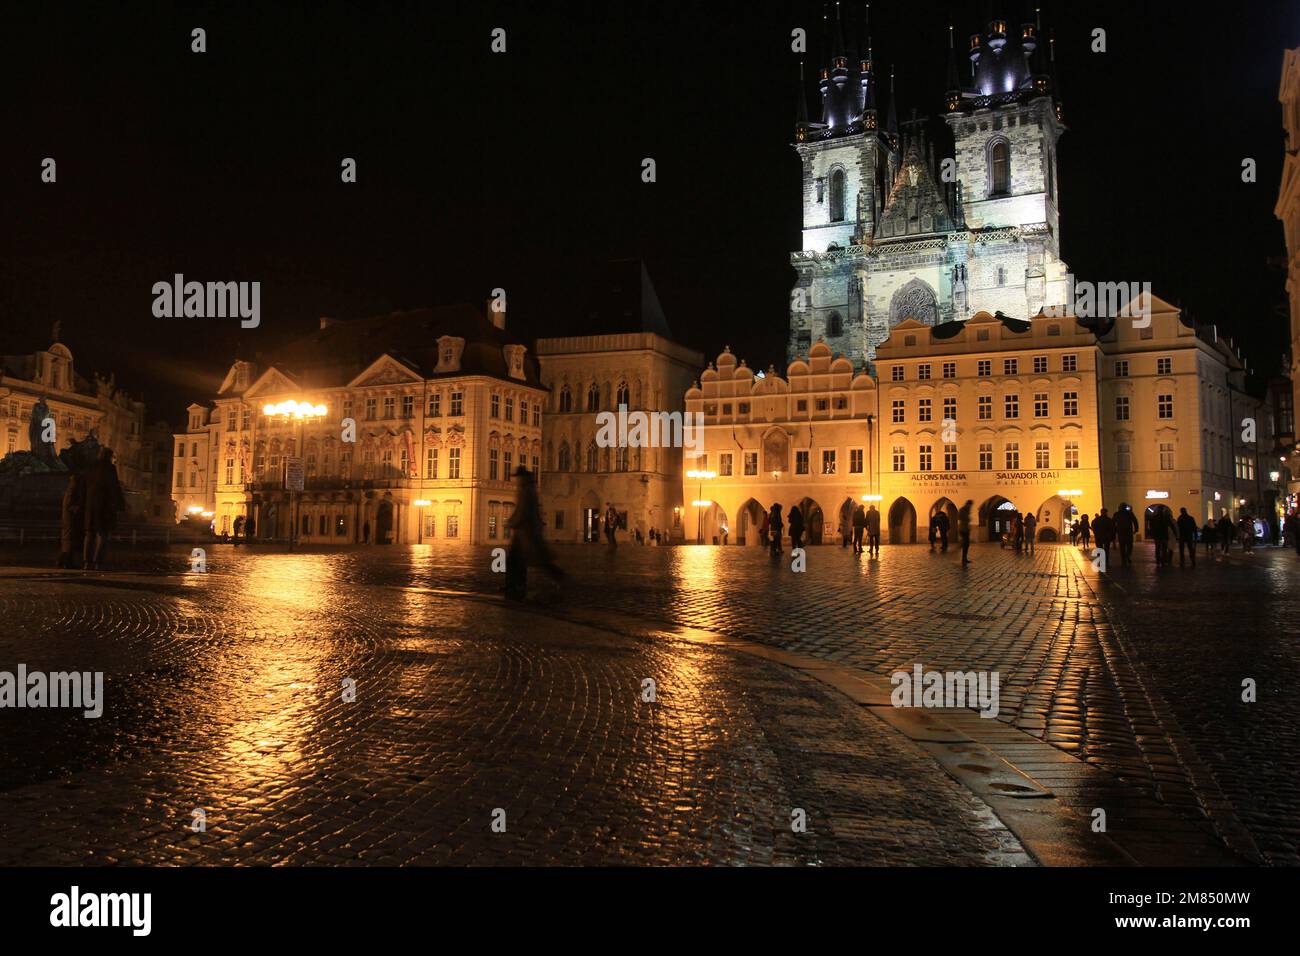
(1005, 479)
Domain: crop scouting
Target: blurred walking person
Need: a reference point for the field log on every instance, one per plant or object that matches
(776, 527)
(72, 529)
(873, 532)
(1085, 532)
(1103, 526)
(859, 528)
(1126, 525)
(1226, 532)
(1186, 526)
(796, 528)
(103, 501)
(527, 539)
(1031, 530)
(963, 530)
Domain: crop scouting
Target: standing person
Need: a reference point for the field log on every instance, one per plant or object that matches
(1207, 537)
(72, 530)
(763, 531)
(527, 540)
(1017, 531)
(1186, 536)
(1085, 532)
(873, 532)
(845, 529)
(1103, 526)
(1074, 533)
(775, 528)
(239, 527)
(963, 530)
(365, 533)
(943, 530)
(1226, 532)
(859, 528)
(1126, 525)
(1294, 519)
(1162, 525)
(933, 531)
(103, 501)
(611, 525)
(1031, 530)
(1246, 528)
(796, 528)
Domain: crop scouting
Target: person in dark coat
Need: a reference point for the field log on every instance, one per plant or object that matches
(859, 528)
(72, 531)
(1030, 524)
(1208, 537)
(527, 538)
(1085, 532)
(238, 529)
(1103, 527)
(941, 519)
(963, 530)
(103, 501)
(1186, 527)
(1126, 526)
(1162, 527)
(796, 528)
(776, 528)
(873, 532)
(1226, 532)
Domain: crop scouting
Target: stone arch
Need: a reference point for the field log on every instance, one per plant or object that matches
(902, 522)
(814, 520)
(914, 300)
(995, 516)
(749, 518)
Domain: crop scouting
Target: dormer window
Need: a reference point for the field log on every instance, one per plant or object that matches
(450, 349)
(514, 355)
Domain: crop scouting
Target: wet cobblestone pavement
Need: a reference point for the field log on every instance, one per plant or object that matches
(1138, 673)
(224, 693)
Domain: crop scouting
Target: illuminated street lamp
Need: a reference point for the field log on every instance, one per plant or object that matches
(420, 503)
(702, 476)
(298, 413)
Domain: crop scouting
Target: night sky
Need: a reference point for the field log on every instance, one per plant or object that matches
(522, 170)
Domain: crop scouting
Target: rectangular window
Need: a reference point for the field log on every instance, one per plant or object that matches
(823, 404)
(724, 464)
(855, 461)
(1121, 368)
(508, 460)
(453, 521)
(923, 410)
(435, 404)
(1123, 456)
(347, 407)
(510, 408)
(1042, 455)
(950, 408)
(537, 414)
(1071, 454)
(388, 463)
(431, 463)
(1070, 406)
(231, 419)
(1166, 456)
(408, 406)
(1121, 408)
(801, 463)
(828, 461)
(244, 422)
(457, 404)
(923, 371)
(986, 456)
(900, 458)
(751, 463)
(949, 369)
(1070, 363)
(949, 457)
(1040, 404)
(493, 463)
(494, 515)
(984, 368)
(495, 406)
(925, 458)
(230, 471)
(1010, 366)
(559, 521)
(896, 373)
(390, 406)
(1164, 365)
(985, 408)
(453, 463)
(1011, 406)
(1013, 455)
(1165, 406)
(371, 409)
(898, 412)
(1040, 364)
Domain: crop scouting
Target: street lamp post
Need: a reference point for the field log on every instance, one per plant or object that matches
(700, 504)
(298, 413)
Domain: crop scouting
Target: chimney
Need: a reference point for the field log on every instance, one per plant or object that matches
(496, 314)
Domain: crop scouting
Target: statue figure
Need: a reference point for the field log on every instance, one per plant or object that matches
(41, 449)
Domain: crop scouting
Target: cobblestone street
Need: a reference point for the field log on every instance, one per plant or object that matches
(223, 693)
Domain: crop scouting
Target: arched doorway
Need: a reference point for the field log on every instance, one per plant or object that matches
(1054, 517)
(813, 521)
(946, 507)
(1151, 512)
(995, 517)
(902, 522)
(713, 526)
(591, 517)
(384, 523)
(750, 518)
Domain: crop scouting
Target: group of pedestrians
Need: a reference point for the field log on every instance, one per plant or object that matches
(91, 502)
(1021, 533)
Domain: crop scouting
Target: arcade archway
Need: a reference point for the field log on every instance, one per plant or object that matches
(902, 522)
(813, 521)
(749, 519)
(995, 517)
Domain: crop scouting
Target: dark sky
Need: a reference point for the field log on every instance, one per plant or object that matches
(522, 170)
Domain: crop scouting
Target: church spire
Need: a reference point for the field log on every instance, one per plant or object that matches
(953, 96)
(891, 118)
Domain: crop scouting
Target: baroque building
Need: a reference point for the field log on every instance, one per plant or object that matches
(632, 364)
(890, 233)
(1288, 211)
(426, 415)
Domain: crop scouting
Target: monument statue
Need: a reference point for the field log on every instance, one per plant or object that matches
(41, 449)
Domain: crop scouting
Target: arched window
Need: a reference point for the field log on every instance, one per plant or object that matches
(593, 398)
(834, 325)
(592, 452)
(623, 395)
(1000, 168)
(837, 196)
(565, 463)
(566, 399)
(620, 462)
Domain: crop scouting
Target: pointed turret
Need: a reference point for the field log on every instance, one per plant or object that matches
(891, 117)
(953, 96)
